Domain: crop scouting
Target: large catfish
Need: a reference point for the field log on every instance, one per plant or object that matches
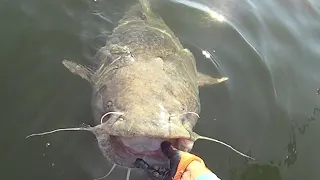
(145, 90)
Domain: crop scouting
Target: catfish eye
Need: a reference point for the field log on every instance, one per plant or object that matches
(109, 105)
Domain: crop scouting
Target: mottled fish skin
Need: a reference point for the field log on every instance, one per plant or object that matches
(145, 73)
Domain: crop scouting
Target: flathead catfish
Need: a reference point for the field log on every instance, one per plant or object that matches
(145, 90)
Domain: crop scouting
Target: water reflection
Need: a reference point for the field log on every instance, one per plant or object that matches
(292, 150)
(261, 172)
(271, 170)
(302, 129)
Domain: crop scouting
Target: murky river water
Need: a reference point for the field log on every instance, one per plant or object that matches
(270, 50)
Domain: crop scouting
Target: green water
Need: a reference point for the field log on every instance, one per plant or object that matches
(270, 50)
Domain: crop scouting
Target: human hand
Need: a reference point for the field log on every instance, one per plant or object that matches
(184, 165)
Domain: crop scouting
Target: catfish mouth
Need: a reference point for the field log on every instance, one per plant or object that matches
(128, 149)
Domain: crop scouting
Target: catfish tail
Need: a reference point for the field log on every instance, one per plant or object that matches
(145, 4)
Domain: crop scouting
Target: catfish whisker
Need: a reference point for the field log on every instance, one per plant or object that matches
(194, 113)
(128, 174)
(62, 129)
(106, 114)
(196, 137)
(112, 168)
(102, 17)
(227, 145)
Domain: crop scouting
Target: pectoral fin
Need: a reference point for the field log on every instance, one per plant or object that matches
(204, 80)
(78, 69)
